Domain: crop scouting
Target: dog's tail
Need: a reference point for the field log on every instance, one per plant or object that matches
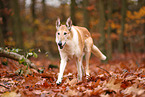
(98, 53)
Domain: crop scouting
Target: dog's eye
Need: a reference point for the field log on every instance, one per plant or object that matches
(58, 33)
(65, 33)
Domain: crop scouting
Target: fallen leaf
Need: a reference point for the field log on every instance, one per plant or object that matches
(133, 90)
(97, 83)
(73, 81)
(37, 91)
(130, 77)
(56, 90)
(71, 92)
(11, 94)
(111, 85)
(89, 92)
(105, 95)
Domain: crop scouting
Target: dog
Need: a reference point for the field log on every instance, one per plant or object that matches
(75, 42)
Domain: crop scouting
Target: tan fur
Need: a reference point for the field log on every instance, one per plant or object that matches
(75, 44)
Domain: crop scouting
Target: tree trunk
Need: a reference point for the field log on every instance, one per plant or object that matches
(44, 12)
(86, 14)
(123, 14)
(109, 41)
(1, 38)
(102, 25)
(141, 3)
(73, 11)
(144, 26)
(63, 11)
(17, 29)
(33, 11)
(144, 35)
(1, 34)
(4, 16)
(23, 6)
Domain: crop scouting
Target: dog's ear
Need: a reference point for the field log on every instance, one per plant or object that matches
(57, 23)
(69, 23)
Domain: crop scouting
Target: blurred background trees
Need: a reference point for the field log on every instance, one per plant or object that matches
(115, 25)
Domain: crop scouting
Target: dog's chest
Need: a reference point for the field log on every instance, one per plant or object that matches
(72, 49)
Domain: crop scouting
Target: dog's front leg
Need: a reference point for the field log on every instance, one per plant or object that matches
(61, 70)
(79, 68)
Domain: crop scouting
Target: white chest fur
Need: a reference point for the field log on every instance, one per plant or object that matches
(73, 48)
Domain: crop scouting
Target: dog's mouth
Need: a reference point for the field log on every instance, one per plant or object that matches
(61, 46)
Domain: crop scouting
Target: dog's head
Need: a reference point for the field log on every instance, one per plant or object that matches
(63, 33)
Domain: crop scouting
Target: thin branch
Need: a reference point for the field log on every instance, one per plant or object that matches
(4, 86)
(17, 57)
(104, 70)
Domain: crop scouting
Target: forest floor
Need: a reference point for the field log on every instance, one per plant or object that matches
(126, 77)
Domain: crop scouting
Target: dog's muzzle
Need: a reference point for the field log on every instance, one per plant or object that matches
(61, 45)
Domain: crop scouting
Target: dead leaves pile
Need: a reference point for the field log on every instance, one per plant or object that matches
(127, 79)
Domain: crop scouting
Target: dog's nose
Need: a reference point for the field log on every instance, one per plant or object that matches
(60, 43)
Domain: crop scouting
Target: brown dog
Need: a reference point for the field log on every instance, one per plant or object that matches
(74, 42)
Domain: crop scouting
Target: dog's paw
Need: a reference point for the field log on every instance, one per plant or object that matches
(87, 76)
(58, 82)
(79, 78)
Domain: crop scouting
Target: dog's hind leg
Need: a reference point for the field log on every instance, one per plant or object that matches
(88, 46)
(79, 68)
(83, 72)
(87, 57)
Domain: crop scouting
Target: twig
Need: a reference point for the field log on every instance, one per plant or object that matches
(4, 86)
(104, 70)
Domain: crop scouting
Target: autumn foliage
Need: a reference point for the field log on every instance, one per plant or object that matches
(39, 31)
(31, 27)
(127, 78)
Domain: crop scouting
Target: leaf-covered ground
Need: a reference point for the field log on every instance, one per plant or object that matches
(127, 78)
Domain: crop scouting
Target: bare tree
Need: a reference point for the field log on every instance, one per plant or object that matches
(123, 14)
(1, 38)
(44, 12)
(86, 14)
(33, 9)
(109, 41)
(73, 11)
(102, 24)
(4, 17)
(17, 28)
